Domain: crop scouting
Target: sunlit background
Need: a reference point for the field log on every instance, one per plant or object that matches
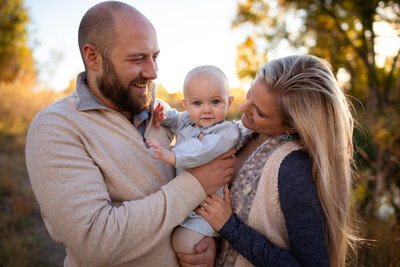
(190, 33)
(39, 60)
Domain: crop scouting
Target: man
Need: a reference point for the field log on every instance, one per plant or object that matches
(99, 190)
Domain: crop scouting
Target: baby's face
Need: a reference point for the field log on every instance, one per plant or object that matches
(206, 100)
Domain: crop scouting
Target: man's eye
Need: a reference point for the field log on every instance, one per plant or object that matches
(215, 101)
(197, 103)
(137, 60)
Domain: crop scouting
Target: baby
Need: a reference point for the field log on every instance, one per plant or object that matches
(202, 134)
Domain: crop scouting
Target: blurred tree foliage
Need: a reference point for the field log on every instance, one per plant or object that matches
(15, 55)
(347, 34)
(20, 98)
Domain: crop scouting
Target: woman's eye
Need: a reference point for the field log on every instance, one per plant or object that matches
(197, 103)
(215, 101)
(260, 114)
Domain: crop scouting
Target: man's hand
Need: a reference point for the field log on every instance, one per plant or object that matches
(216, 173)
(206, 250)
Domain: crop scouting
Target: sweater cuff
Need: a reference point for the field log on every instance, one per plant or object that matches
(186, 190)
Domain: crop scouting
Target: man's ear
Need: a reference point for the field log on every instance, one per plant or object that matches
(230, 101)
(91, 56)
(183, 101)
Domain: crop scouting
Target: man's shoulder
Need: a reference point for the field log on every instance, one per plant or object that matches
(60, 108)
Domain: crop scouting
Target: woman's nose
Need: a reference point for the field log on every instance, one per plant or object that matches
(244, 107)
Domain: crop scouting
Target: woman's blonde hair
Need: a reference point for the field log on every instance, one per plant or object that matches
(311, 102)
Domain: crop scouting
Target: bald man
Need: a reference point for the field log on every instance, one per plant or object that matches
(99, 190)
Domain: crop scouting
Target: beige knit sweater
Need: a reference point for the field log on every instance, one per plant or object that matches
(99, 190)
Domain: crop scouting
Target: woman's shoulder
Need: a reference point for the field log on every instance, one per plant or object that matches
(296, 157)
(296, 168)
(295, 182)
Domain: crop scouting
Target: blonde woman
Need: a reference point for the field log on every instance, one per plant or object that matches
(291, 197)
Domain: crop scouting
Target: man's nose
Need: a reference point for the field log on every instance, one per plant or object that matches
(150, 69)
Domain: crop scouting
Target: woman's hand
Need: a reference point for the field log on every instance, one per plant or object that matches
(216, 210)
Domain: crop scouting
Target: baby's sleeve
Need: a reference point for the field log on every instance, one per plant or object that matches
(217, 140)
(245, 134)
(173, 117)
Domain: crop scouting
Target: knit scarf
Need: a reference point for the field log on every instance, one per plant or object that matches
(244, 189)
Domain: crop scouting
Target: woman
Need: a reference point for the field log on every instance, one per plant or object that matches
(291, 198)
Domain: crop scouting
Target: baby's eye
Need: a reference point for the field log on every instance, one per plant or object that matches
(216, 101)
(197, 103)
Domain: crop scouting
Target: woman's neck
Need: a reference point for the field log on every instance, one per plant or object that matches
(243, 154)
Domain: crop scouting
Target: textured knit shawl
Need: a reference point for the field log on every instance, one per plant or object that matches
(244, 189)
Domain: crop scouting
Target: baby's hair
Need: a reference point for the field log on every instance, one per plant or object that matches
(206, 72)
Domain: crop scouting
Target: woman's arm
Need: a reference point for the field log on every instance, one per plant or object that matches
(303, 217)
(253, 246)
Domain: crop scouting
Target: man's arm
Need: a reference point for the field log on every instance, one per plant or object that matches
(76, 205)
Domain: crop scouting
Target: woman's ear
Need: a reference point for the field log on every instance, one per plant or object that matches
(92, 57)
(291, 130)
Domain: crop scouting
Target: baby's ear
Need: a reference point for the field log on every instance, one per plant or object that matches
(184, 104)
(230, 101)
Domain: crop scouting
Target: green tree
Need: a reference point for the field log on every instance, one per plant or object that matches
(346, 33)
(15, 55)
(343, 32)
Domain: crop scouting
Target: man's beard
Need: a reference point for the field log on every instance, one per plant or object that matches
(111, 87)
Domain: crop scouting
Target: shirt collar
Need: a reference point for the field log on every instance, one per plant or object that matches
(86, 99)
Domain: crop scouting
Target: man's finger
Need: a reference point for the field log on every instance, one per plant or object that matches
(204, 244)
(228, 154)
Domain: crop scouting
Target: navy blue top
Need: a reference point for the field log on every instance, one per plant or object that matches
(303, 217)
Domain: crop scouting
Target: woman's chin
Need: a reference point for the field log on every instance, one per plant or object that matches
(246, 122)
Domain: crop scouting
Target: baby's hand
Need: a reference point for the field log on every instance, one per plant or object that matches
(201, 135)
(158, 115)
(160, 153)
(153, 143)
